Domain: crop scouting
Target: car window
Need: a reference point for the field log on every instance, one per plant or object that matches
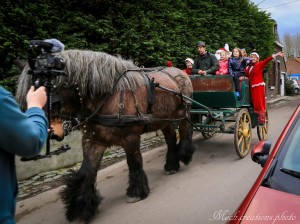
(284, 174)
(292, 157)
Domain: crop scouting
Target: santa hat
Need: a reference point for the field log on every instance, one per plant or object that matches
(254, 53)
(190, 60)
(221, 49)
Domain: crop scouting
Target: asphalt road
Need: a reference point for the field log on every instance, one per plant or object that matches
(215, 181)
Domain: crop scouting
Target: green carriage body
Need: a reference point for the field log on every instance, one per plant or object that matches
(218, 91)
(215, 104)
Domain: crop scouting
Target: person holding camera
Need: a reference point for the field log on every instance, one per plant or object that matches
(254, 72)
(22, 134)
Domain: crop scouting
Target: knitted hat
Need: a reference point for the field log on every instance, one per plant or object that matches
(190, 60)
(254, 53)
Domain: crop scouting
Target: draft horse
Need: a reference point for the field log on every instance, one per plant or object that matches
(116, 102)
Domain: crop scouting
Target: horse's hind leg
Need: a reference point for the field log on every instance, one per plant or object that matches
(138, 187)
(172, 158)
(186, 147)
(80, 195)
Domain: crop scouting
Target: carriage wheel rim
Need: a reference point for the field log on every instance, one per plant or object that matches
(243, 134)
(262, 131)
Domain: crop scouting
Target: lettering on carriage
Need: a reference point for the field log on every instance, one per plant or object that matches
(226, 215)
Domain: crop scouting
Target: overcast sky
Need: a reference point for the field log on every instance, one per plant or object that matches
(285, 12)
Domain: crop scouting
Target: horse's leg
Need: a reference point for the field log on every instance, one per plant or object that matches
(138, 187)
(186, 147)
(80, 195)
(172, 158)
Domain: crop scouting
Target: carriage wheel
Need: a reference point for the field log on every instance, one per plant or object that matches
(210, 131)
(242, 133)
(262, 131)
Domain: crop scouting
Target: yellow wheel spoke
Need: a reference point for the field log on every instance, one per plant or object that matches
(243, 133)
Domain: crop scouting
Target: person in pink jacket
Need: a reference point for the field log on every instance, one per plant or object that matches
(223, 64)
(254, 73)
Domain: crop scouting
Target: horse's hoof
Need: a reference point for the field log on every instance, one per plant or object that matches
(133, 199)
(170, 172)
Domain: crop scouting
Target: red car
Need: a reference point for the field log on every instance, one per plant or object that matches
(275, 196)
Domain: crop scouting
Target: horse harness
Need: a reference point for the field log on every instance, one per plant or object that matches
(121, 119)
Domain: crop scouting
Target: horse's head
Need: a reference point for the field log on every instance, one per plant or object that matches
(65, 106)
(90, 75)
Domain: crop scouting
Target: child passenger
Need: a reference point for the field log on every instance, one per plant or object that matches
(223, 64)
(189, 65)
(236, 68)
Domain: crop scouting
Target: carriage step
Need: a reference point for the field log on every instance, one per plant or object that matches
(60, 150)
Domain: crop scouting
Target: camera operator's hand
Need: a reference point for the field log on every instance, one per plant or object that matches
(36, 98)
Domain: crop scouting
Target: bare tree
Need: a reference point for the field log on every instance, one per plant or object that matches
(288, 45)
(297, 45)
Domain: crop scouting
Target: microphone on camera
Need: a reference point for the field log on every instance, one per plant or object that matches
(57, 45)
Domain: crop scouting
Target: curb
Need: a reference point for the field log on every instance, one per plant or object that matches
(279, 99)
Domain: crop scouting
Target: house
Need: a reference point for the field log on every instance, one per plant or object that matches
(276, 75)
(293, 68)
(293, 65)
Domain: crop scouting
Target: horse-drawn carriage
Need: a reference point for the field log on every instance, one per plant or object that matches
(215, 105)
(116, 102)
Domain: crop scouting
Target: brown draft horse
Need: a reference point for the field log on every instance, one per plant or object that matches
(116, 103)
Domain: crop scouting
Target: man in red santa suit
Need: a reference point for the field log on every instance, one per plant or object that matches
(254, 73)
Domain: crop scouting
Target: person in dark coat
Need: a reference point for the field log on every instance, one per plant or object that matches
(206, 63)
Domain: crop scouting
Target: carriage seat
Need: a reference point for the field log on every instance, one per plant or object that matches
(217, 91)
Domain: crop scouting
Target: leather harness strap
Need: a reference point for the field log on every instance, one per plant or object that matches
(126, 120)
(129, 120)
(150, 92)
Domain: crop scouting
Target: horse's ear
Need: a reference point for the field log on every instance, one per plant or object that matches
(20, 64)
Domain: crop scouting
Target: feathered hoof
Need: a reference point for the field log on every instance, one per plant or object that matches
(170, 172)
(186, 159)
(132, 199)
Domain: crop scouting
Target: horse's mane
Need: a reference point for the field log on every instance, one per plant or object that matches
(95, 73)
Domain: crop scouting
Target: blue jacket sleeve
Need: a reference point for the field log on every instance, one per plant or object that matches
(22, 134)
(230, 70)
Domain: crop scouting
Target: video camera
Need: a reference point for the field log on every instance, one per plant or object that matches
(44, 65)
